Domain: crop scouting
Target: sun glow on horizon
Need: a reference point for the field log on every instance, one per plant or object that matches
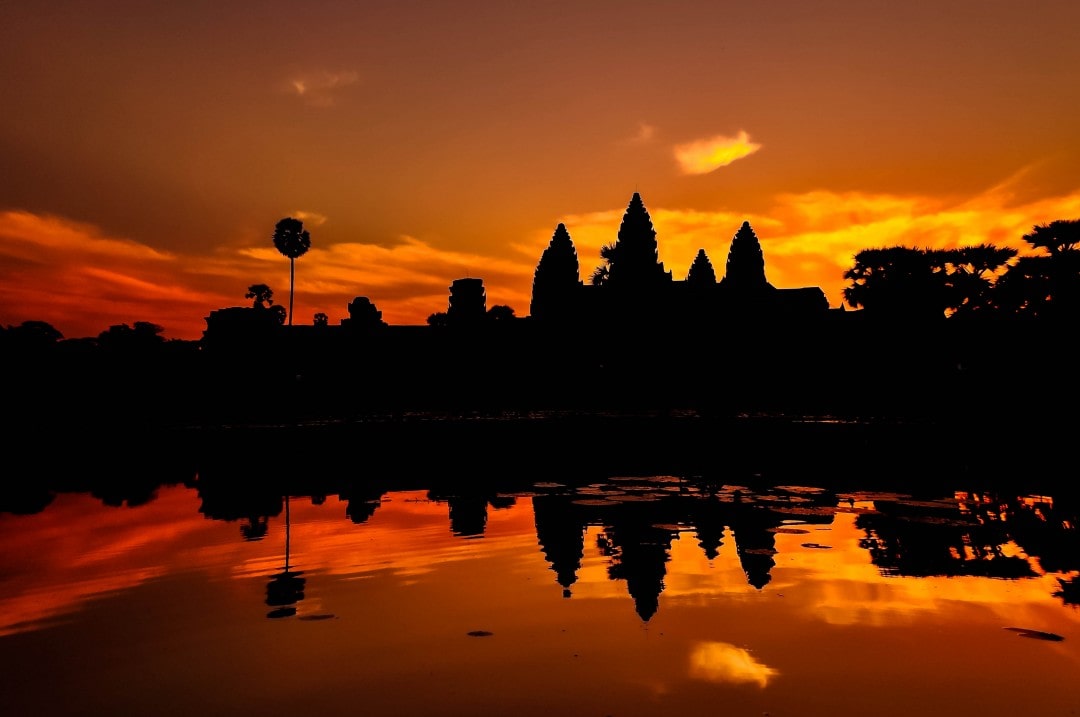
(81, 280)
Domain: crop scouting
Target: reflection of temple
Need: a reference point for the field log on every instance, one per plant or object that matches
(560, 531)
(636, 533)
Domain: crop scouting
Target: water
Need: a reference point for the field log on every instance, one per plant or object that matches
(619, 594)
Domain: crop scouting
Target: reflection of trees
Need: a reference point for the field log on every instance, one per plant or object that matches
(468, 508)
(1044, 527)
(1070, 590)
(286, 588)
(361, 502)
(919, 539)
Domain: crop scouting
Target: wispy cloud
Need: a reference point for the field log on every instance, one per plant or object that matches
(706, 155)
(320, 88)
(310, 218)
(645, 133)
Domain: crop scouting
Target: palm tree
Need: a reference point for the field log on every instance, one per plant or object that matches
(292, 240)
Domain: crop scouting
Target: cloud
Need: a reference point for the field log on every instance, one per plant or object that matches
(723, 663)
(313, 219)
(811, 238)
(320, 88)
(705, 155)
(645, 133)
(82, 280)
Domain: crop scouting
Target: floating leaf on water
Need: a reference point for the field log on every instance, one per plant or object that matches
(935, 504)
(479, 633)
(802, 510)
(1036, 634)
(320, 616)
(596, 501)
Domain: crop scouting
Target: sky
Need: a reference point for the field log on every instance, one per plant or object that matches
(149, 149)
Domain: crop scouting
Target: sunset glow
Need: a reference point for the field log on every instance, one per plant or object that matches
(148, 155)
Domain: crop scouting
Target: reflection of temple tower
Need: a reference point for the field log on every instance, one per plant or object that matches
(639, 552)
(755, 542)
(468, 303)
(709, 517)
(561, 536)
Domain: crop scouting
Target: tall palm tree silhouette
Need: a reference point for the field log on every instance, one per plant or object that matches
(292, 240)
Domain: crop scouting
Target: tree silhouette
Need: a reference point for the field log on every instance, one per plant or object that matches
(602, 273)
(1047, 284)
(121, 336)
(262, 294)
(972, 275)
(321, 319)
(33, 334)
(292, 240)
(899, 282)
(500, 312)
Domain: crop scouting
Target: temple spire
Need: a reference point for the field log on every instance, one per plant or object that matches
(745, 263)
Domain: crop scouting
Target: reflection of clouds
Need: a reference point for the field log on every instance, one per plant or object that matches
(721, 662)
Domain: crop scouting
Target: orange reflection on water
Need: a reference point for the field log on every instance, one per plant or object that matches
(512, 604)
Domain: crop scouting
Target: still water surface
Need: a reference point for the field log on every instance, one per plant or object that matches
(649, 595)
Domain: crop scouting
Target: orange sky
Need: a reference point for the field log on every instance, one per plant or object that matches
(149, 149)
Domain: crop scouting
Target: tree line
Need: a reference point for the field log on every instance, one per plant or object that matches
(983, 281)
(972, 282)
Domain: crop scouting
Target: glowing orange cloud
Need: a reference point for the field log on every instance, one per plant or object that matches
(705, 155)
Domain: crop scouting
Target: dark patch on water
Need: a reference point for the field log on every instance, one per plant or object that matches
(1036, 634)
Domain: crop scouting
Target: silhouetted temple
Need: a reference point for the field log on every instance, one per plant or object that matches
(645, 337)
(634, 286)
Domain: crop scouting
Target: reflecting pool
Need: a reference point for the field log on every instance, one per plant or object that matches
(620, 595)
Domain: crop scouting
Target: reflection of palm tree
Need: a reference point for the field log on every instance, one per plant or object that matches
(292, 240)
(287, 587)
